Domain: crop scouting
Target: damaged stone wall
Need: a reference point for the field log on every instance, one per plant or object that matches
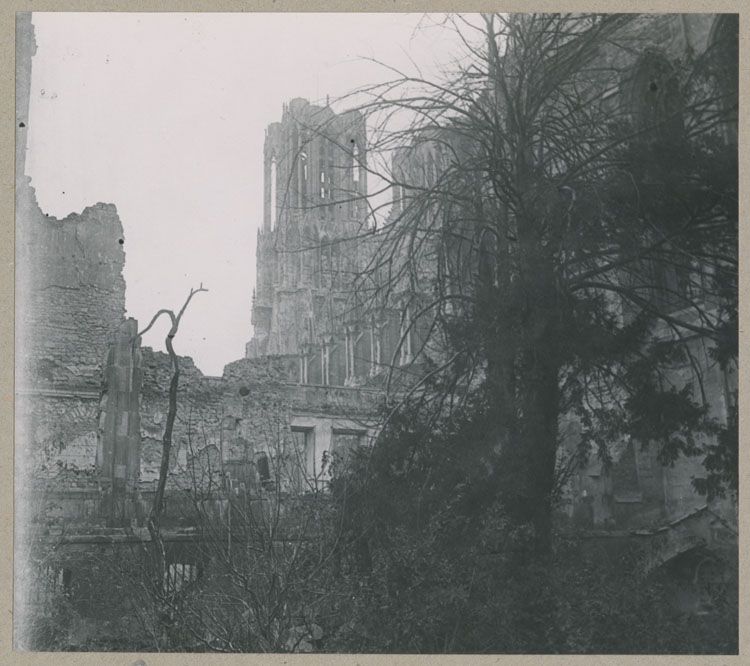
(72, 294)
(224, 424)
(638, 490)
(198, 414)
(91, 406)
(70, 301)
(238, 430)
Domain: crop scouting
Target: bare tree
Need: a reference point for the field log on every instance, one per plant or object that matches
(158, 505)
(563, 235)
(256, 575)
(157, 508)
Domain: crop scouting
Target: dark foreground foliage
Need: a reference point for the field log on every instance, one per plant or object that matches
(433, 564)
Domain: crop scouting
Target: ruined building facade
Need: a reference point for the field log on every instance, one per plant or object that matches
(315, 180)
(91, 403)
(312, 245)
(315, 238)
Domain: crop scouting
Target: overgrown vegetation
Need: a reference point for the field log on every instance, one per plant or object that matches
(564, 245)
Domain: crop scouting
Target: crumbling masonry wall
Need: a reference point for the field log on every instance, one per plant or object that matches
(71, 294)
(70, 303)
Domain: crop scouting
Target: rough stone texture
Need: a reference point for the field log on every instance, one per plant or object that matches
(118, 454)
(61, 428)
(70, 300)
(307, 253)
(224, 424)
(72, 294)
(197, 425)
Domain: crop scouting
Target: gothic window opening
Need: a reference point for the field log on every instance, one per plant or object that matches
(304, 360)
(626, 485)
(323, 182)
(352, 338)
(344, 445)
(57, 581)
(357, 353)
(711, 581)
(313, 369)
(654, 97)
(264, 470)
(355, 163)
(273, 202)
(303, 161)
(405, 356)
(374, 349)
(325, 363)
(673, 286)
(398, 193)
(303, 472)
(347, 352)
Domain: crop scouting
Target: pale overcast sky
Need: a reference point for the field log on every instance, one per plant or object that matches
(164, 115)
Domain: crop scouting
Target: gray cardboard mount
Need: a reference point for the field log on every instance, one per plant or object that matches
(7, 87)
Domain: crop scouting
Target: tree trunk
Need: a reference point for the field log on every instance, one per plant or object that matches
(537, 373)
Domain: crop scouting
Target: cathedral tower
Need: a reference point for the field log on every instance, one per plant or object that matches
(315, 182)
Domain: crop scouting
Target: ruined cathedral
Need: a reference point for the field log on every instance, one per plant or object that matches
(312, 246)
(91, 402)
(314, 188)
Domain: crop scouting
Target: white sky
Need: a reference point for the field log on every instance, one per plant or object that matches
(164, 115)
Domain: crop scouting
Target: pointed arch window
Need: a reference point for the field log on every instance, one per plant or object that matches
(264, 470)
(405, 338)
(273, 203)
(654, 97)
(355, 163)
(374, 347)
(325, 362)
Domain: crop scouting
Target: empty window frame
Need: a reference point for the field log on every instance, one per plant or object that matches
(355, 163)
(178, 575)
(303, 470)
(273, 202)
(344, 443)
(55, 580)
(323, 182)
(263, 466)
